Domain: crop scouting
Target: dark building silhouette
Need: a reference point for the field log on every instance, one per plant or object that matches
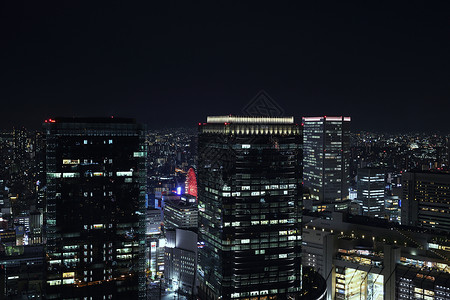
(95, 208)
(249, 197)
(21, 271)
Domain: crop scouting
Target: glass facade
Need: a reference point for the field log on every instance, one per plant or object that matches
(371, 192)
(426, 200)
(249, 193)
(95, 208)
(356, 284)
(326, 157)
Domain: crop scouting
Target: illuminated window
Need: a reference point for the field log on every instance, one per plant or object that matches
(69, 275)
(124, 173)
(70, 175)
(54, 282)
(71, 161)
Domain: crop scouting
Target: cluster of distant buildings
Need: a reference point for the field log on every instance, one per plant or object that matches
(269, 211)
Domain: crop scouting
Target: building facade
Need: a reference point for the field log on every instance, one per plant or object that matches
(21, 272)
(249, 197)
(181, 212)
(180, 261)
(154, 221)
(369, 258)
(95, 208)
(370, 188)
(326, 157)
(392, 209)
(180, 257)
(426, 200)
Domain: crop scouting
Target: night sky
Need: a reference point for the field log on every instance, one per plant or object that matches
(386, 64)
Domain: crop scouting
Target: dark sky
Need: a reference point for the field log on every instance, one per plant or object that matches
(386, 64)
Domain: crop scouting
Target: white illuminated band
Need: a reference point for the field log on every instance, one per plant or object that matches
(312, 119)
(250, 120)
(333, 118)
(252, 129)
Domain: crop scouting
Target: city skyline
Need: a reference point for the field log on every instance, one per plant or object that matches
(225, 150)
(222, 204)
(193, 127)
(385, 66)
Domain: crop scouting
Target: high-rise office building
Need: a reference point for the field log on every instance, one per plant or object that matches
(426, 200)
(370, 188)
(95, 208)
(249, 197)
(35, 232)
(180, 254)
(181, 213)
(154, 220)
(392, 208)
(181, 223)
(180, 263)
(326, 157)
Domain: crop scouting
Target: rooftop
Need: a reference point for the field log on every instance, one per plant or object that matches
(326, 118)
(111, 119)
(249, 120)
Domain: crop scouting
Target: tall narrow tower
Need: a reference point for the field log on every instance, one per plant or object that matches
(95, 208)
(326, 157)
(249, 193)
(371, 191)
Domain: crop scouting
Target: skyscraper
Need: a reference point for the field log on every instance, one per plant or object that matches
(326, 156)
(180, 261)
(426, 200)
(371, 192)
(181, 213)
(95, 208)
(249, 193)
